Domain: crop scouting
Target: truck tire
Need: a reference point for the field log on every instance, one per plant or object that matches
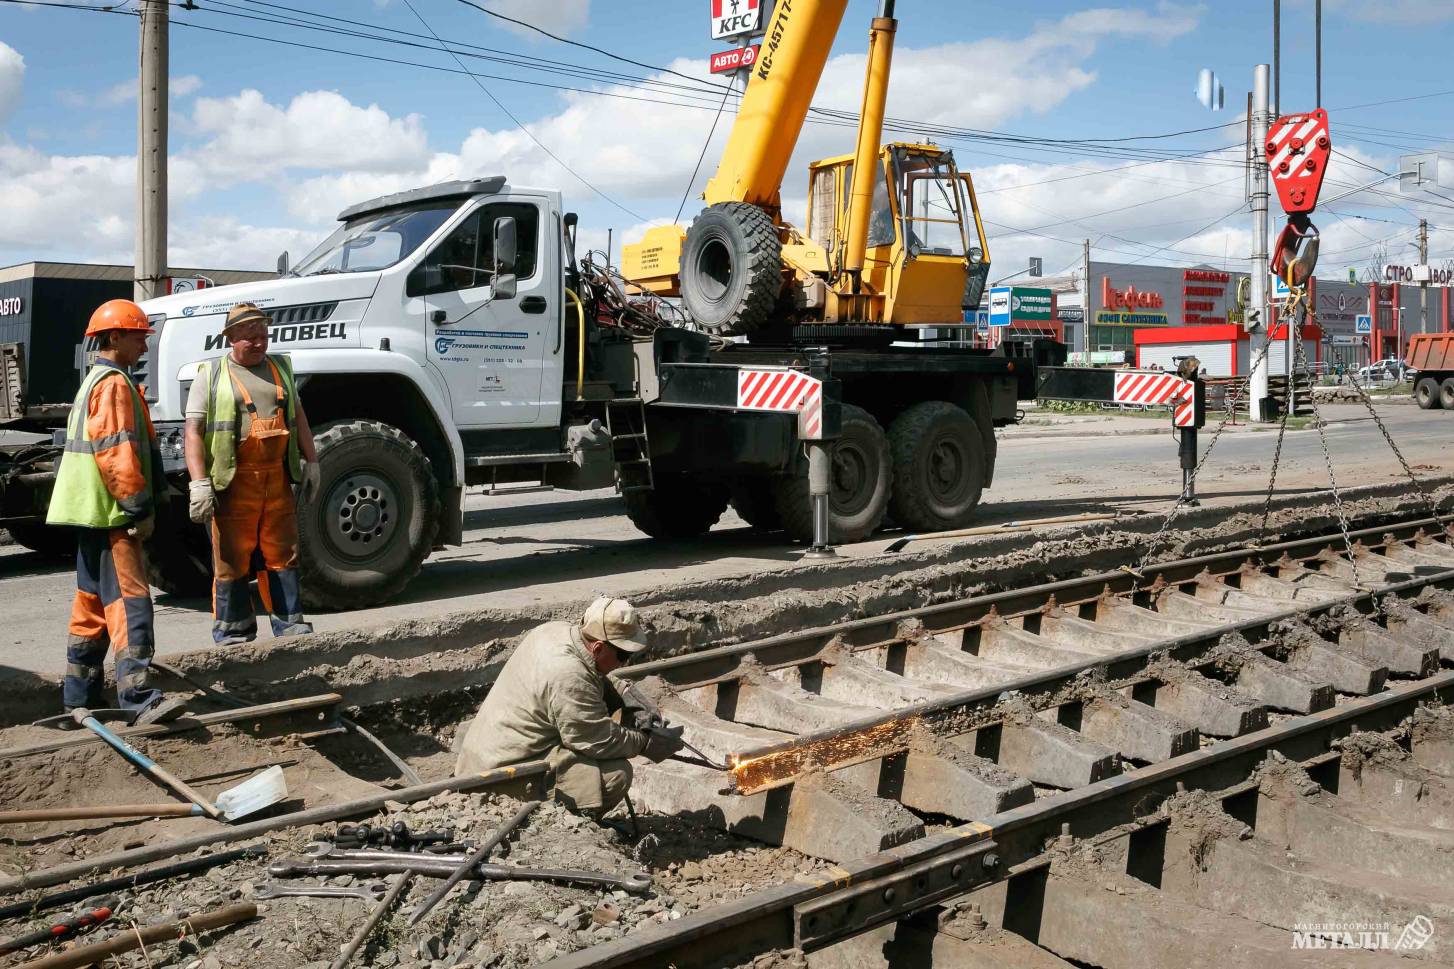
(731, 269)
(680, 506)
(373, 522)
(44, 540)
(1446, 393)
(859, 485)
(755, 503)
(939, 467)
(179, 554)
(1426, 392)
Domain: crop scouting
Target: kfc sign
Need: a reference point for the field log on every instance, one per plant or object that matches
(1129, 298)
(732, 60)
(733, 17)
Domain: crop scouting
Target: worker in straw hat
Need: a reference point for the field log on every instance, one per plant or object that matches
(107, 486)
(552, 701)
(247, 444)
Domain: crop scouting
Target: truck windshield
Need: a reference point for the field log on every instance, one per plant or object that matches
(932, 205)
(377, 240)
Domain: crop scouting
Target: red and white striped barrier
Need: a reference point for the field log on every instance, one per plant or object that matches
(784, 391)
(1152, 387)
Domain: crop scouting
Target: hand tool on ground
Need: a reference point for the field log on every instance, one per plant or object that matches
(89, 955)
(94, 812)
(467, 865)
(234, 700)
(372, 863)
(367, 929)
(146, 877)
(369, 891)
(396, 835)
(92, 915)
(252, 795)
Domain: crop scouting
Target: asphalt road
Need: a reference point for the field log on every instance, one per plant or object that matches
(537, 547)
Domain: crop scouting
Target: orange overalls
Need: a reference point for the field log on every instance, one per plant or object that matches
(256, 515)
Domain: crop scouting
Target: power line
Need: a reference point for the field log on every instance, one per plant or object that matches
(705, 145)
(521, 125)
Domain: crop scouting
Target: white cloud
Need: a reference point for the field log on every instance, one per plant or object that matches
(556, 16)
(252, 139)
(125, 91)
(181, 87)
(12, 74)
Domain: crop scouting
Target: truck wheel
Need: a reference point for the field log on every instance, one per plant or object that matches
(1426, 392)
(731, 269)
(939, 467)
(179, 554)
(680, 506)
(1446, 393)
(755, 503)
(365, 534)
(859, 484)
(44, 540)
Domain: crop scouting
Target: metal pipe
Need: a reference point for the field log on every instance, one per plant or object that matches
(139, 938)
(867, 172)
(581, 348)
(533, 774)
(820, 467)
(1276, 56)
(468, 865)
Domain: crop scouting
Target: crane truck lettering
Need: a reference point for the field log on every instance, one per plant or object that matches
(779, 22)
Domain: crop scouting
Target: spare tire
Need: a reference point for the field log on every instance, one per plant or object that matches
(731, 269)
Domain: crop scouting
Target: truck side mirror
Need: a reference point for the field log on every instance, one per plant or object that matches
(503, 284)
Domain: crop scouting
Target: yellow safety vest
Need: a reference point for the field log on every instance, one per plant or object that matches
(219, 437)
(80, 496)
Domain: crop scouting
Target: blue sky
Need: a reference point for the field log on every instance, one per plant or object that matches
(269, 141)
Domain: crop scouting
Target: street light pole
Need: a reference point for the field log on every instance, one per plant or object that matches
(1257, 329)
(150, 267)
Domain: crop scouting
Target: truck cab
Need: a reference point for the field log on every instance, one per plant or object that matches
(420, 345)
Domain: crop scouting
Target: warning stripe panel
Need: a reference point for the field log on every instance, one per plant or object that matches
(1142, 387)
(786, 392)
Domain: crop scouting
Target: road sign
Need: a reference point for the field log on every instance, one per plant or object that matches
(1363, 323)
(732, 60)
(1000, 306)
(1352, 277)
(1030, 304)
(1037, 266)
(730, 18)
(1280, 292)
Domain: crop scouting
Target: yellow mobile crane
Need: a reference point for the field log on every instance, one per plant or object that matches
(893, 234)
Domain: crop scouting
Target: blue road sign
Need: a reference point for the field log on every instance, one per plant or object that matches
(1000, 306)
(1363, 323)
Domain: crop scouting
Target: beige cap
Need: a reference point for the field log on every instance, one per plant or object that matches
(245, 313)
(613, 621)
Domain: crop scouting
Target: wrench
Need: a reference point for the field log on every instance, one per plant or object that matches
(358, 862)
(371, 892)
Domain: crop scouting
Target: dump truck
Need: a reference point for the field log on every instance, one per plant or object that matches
(1431, 355)
(449, 337)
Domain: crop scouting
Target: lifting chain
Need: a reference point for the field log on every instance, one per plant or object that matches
(1299, 362)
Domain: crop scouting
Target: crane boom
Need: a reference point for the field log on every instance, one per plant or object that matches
(784, 80)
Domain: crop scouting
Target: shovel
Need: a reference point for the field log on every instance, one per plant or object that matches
(263, 789)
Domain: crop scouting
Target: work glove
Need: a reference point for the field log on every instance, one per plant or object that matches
(201, 501)
(661, 743)
(646, 720)
(143, 528)
(308, 490)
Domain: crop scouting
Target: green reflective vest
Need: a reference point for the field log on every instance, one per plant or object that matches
(219, 437)
(80, 496)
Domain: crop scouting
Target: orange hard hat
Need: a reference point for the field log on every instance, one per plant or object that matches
(118, 314)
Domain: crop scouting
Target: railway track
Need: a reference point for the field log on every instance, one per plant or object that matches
(1024, 750)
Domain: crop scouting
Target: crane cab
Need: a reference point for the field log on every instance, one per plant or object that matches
(926, 258)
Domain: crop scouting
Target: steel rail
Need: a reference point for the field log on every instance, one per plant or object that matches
(795, 648)
(815, 911)
(844, 745)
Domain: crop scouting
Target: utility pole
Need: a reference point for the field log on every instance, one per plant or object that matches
(150, 268)
(1423, 283)
(1085, 298)
(1259, 332)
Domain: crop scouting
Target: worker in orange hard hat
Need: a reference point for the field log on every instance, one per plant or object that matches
(107, 486)
(247, 443)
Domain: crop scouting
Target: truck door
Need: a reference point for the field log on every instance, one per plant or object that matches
(493, 353)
